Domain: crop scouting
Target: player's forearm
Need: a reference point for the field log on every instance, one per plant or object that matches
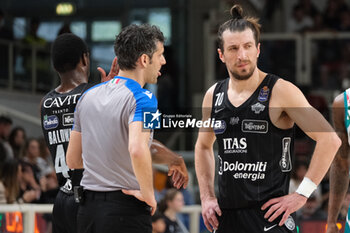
(326, 147)
(205, 171)
(142, 165)
(339, 182)
(162, 155)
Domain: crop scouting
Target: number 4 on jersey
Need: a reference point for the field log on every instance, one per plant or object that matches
(60, 162)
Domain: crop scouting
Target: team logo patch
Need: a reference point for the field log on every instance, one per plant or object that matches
(234, 120)
(68, 119)
(255, 126)
(264, 94)
(290, 224)
(221, 128)
(50, 122)
(257, 108)
(151, 120)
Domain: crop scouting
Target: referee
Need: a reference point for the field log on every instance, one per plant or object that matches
(109, 142)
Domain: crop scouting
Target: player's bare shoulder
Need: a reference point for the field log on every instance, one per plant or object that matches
(285, 94)
(208, 97)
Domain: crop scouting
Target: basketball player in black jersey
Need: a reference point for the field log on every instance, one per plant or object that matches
(70, 59)
(255, 139)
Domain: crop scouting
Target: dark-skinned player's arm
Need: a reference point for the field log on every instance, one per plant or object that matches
(293, 103)
(205, 167)
(176, 164)
(339, 172)
(112, 73)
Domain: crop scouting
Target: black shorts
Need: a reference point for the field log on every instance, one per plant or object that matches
(64, 214)
(253, 221)
(113, 212)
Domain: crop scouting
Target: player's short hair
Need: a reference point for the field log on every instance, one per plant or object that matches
(67, 49)
(238, 22)
(135, 40)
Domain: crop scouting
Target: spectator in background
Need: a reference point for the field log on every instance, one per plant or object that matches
(2, 163)
(299, 22)
(17, 140)
(332, 13)
(10, 178)
(5, 129)
(308, 7)
(42, 170)
(344, 25)
(158, 223)
(170, 206)
(30, 191)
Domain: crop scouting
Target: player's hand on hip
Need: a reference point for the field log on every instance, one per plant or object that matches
(112, 73)
(179, 173)
(210, 208)
(283, 205)
(332, 228)
(138, 195)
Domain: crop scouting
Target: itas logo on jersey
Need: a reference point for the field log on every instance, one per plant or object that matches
(68, 119)
(61, 101)
(50, 122)
(255, 126)
(235, 145)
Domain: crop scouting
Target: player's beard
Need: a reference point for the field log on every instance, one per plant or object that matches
(244, 76)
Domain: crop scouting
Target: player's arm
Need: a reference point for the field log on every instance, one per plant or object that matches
(339, 172)
(176, 164)
(292, 102)
(74, 151)
(112, 73)
(141, 163)
(205, 166)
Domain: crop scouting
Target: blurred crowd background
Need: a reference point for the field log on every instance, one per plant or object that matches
(304, 41)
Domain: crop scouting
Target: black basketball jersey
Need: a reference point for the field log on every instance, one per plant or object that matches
(254, 157)
(57, 118)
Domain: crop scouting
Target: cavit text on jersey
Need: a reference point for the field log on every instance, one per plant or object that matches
(58, 136)
(61, 101)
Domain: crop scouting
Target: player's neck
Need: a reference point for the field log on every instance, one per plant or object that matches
(246, 85)
(135, 74)
(71, 80)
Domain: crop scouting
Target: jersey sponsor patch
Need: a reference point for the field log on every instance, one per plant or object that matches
(286, 161)
(264, 94)
(50, 122)
(235, 145)
(220, 128)
(234, 120)
(258, 107)
(68, 119)
(255, 126)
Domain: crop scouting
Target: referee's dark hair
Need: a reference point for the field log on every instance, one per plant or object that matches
(135, 40)
(238, 22)
(67, 50)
